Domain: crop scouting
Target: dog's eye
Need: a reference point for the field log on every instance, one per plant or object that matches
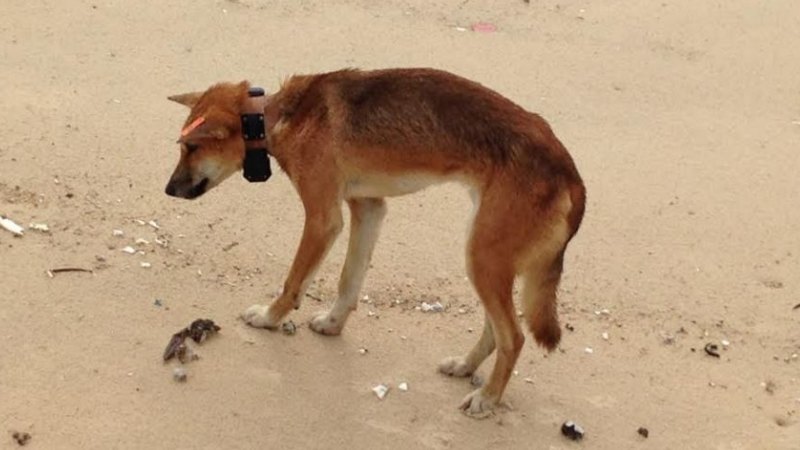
(191, 147)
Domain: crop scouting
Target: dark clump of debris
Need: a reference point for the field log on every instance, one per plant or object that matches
(21, 438)
(643, 432)
(199, 331)
(289, 328)
(712, 350)
(572, 430)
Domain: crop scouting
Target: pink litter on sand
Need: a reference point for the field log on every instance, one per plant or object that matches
(484, 27)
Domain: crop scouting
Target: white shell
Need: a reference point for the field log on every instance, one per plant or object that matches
(9, 225)
(129, 250)
(431, 307)
(381, 390)
(39, 227)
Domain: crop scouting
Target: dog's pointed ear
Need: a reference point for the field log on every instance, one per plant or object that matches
(188, 99)
(204, 128)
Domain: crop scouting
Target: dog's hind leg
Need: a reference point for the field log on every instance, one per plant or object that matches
(366, 216)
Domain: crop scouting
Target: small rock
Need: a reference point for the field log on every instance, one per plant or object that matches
(725, 343)
(363, 351)
(588, 350)
(643, 432)
(476, 380)
(403, 386)
(605, 335)
(381, 390)
(179, 374)
(157, 302)
(289, 328)
(602, 312)
(118, 233)
(141, 241)
(39, 227)
(432, 307)
(529, 380)
(129, 250)
(153, 224)
(145, 265)
(572, 430)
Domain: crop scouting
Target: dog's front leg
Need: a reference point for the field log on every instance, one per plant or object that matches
(323, 223)
(366, 215)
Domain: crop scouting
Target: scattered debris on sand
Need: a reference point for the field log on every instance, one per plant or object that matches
(289, 328)
(572, 430)
(199, 331)
(21, 438)
(712, 350)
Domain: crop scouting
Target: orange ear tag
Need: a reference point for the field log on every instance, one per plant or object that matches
(189, 128)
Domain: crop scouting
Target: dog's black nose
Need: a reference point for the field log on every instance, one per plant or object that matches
(170, 190)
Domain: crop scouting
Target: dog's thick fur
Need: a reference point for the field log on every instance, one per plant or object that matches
(359, 136)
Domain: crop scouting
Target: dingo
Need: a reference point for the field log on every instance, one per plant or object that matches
(359, 136)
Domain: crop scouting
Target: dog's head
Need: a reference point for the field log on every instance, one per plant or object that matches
(211, 142)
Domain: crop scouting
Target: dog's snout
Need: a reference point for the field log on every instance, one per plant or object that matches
(170, 190)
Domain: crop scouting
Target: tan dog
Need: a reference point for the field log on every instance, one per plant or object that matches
(357, 137)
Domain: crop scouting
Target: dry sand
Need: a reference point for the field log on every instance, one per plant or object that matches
(681, 115)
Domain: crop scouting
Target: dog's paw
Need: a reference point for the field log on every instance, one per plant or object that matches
(456, 366)
(258, 316)
(324, 323)
(477, 405)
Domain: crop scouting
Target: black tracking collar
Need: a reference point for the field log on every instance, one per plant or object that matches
(256, 157)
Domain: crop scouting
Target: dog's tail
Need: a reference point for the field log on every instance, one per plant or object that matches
(539, 302)
(542, 276)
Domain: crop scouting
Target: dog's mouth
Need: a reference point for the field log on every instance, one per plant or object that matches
(198, 189)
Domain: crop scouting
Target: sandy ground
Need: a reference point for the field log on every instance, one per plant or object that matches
(681, 115)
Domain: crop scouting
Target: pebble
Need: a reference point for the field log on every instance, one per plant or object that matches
(118, 233)
(179, 374)
(40, 227)
(605, 335)
(644, 432)
(289, 328)
(403, 386)
(432, 307)
(476, 380)
(129, 250)
(381, 390)
(588, 350)
(363, 351)
(572, 430)
(145, 265)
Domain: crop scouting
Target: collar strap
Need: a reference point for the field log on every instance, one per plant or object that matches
(256, 157)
